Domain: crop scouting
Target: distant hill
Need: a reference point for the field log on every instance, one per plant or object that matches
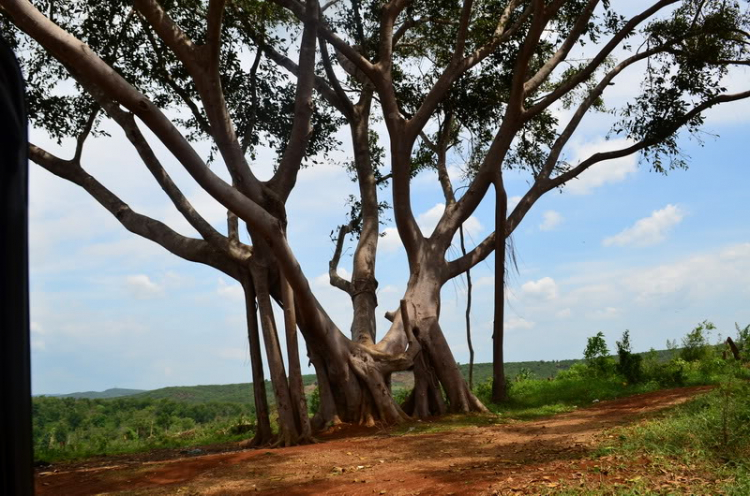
(243, 393)
(109, 393)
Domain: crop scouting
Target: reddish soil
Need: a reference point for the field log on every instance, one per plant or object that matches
(515, 457)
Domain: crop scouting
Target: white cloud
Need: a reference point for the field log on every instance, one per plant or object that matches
(607, 172)
(519, 324)
(605, 313)
(37, 343)
(543, 289)
(649, 230)
(390, 241)
(231, 290)
(551, 219)
(564, 313)
(142, 287)
(484, 281)
(389, 289)
(428, 221)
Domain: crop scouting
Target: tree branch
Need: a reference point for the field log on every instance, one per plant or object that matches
(285, 177)
(194, 250)
(335, 279)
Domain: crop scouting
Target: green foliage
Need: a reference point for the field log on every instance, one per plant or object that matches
(313, 401)
(743, 339)
(714, 427)
(695, 345)
(66, 428)
(629, 364)
(597, 356)
(401, 395)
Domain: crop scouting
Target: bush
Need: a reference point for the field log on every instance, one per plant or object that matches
(629, 365)
(313, 404)
(597, 356)
(695, 345)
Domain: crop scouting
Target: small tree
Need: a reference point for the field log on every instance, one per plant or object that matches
(695, 345)
(630, 364)
(596, 354)
(743, 337)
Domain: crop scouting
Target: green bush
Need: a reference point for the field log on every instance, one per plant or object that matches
(630, 365)
(695, 346)
(597, 356)
(313, 403)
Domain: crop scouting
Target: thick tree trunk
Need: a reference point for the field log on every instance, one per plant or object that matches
(499, 392)
(263, 433)
(364, 284)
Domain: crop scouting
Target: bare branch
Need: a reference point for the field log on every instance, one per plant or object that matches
(191, 249)
(595, 62)
(580, 25)
(335, 279)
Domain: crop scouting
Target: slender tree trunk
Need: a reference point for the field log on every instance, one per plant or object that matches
(289, 433)
(468, 311)
(499, 392)
(263, 433)
(296, 387)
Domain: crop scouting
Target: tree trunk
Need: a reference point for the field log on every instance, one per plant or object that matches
(263, 433)
(499, 392)
(296, 387)
(468, 311)
(289, 433)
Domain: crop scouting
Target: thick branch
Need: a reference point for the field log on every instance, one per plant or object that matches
(286, 176)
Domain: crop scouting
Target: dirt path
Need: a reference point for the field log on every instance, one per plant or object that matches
(513, 457)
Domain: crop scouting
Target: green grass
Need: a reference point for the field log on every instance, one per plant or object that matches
(714, 428)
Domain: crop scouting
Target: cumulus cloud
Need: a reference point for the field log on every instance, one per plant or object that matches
(649, 230)
(519, 324)
(142, 287)
(551, 219)
(389, 242)
(543, 289)
(607, 172)
(428, 221)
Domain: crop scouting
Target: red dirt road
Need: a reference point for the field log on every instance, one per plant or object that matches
(524, 457)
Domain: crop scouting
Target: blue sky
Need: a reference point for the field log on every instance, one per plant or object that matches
(622, 248)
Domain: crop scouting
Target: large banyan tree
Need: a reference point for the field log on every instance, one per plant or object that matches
(484, 76)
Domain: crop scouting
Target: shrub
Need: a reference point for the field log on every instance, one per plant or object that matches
(313, 404)
(743, 339)
(695, 345)
(597, 356)
(630, 365)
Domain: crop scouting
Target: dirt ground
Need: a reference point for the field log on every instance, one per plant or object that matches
(517, 457)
